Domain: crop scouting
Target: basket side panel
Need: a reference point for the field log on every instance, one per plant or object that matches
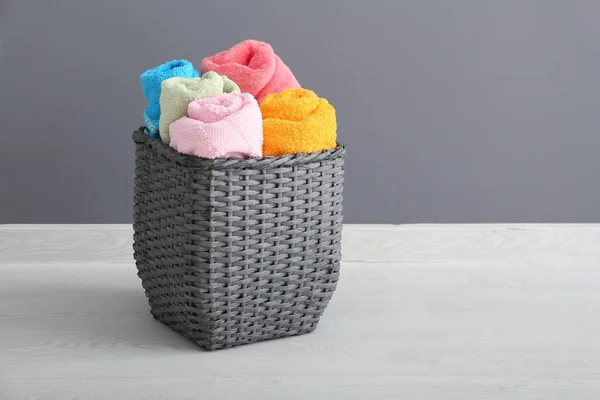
(274, 237)
(161, 209)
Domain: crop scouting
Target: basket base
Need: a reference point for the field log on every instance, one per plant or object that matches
(217, 342)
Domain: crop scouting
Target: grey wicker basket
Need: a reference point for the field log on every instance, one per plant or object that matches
(234, 251)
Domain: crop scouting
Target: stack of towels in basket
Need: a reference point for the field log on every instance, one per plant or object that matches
(247, 103)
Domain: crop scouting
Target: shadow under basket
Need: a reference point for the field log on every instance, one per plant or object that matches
(234, 251)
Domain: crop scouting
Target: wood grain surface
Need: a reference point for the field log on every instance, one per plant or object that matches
(414, 317)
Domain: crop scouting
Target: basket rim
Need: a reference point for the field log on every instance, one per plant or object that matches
(190, 161)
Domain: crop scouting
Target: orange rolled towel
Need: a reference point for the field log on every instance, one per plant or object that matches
(297, 121)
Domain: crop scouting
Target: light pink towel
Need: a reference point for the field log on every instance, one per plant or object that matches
(254, 66)
(221, 126)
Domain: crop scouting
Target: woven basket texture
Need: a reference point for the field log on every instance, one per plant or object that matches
(234, 251)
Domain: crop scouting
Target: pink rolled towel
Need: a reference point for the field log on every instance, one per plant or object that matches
(221, 126)
(255, 67)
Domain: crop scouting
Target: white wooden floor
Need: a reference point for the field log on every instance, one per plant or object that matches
(456, 312)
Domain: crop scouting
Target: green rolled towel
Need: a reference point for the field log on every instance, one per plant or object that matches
(176, 93)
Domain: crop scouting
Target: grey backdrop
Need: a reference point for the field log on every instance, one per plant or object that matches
(452, 110)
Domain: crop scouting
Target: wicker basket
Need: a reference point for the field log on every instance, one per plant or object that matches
(234, 251)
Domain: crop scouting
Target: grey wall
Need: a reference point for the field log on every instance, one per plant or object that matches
(452, 111)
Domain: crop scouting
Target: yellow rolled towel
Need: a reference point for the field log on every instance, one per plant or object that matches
(297, 121)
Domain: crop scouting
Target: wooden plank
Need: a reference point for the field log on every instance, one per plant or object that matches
(302, 387)
(426, 312)
(66, 243)
(531, 244)
(395, 330)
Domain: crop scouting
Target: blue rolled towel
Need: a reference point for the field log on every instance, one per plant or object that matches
(151, 86)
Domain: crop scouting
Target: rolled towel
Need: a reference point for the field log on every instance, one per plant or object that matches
(151, 87)
(254, 66)
(177, 93)
(222, 126)
(297, 121)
